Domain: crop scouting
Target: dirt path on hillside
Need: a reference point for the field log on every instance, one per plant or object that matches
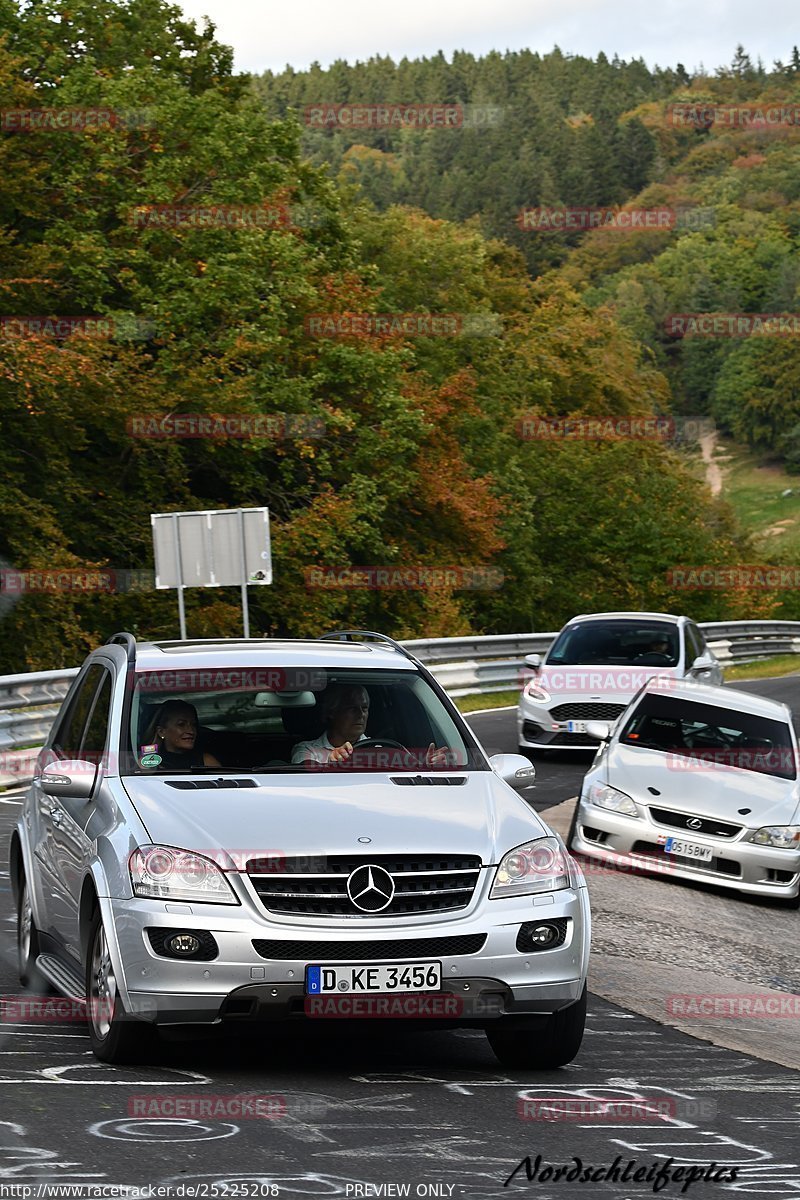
(708, 444)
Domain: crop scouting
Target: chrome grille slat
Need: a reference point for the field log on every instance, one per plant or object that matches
(423, 884)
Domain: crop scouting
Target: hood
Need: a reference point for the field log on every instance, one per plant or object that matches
(614, 685)
(706, 788)
(297, 815)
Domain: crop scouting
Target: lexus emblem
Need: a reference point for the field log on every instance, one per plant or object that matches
(370, 888)
(694, 823)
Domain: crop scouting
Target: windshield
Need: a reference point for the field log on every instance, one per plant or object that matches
(620, 643)
(708, 734)
(293, 720)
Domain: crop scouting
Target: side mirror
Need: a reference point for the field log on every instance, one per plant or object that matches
(72, 778)
(534, 661)
(704, 663)
(514, 769)
(598, 729)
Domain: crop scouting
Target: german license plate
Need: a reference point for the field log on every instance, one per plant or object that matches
(576, 726)
(687, 849)
(322, 980)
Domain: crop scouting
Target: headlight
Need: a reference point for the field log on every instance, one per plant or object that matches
(536, 691)
(163, 872)
(605, 796)
(784, 837)
(539, 866)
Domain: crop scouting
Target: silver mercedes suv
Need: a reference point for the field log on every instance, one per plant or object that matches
(233, 830)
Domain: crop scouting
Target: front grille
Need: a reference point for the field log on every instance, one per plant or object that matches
(708, 825)
(586, 712)
(714, 866)
(447, 947)
(423, 884)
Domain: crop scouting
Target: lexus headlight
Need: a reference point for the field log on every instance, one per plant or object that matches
(784, 837)
(539, 866)
(164, 872)
(606, 796)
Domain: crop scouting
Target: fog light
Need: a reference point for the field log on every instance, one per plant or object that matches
(543, 935)
(183, 944)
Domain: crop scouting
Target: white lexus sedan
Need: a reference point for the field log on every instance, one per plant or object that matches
(596, 666)
(700, 783)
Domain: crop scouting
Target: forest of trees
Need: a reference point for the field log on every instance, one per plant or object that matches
(421, 461)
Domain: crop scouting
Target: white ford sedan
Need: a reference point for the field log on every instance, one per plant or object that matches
(596, 666)
(698, 782)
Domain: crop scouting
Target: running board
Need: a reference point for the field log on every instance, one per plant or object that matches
(64, 978)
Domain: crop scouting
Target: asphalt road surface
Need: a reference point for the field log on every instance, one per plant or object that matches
(370, 1111)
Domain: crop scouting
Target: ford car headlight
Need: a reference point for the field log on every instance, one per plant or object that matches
(536, 691)
(783, 837)
(606, 796)
(539, 866)
(164, 872)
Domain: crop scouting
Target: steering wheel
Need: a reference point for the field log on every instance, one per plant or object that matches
(368, 743)
(654, 658)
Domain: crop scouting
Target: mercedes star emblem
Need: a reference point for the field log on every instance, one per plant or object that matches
(370, 888)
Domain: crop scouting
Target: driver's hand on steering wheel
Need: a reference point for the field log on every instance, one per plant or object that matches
(437, 757)
(341, 753)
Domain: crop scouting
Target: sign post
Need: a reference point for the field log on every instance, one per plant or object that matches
(212, 549)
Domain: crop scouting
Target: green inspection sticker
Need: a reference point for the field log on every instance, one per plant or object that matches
(150, 760)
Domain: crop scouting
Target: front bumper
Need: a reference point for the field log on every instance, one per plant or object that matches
(537, 730)
(633, 841)
(238, 983)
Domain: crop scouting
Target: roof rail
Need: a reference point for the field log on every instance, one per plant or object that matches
(360, 635)
(124, 639)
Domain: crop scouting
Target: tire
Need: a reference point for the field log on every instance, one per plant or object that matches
(115, 1035)
(528, 1043)
(28, 943)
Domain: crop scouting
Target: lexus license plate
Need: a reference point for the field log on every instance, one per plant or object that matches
(687, 849)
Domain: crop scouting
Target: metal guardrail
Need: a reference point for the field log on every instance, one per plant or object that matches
(463, 665)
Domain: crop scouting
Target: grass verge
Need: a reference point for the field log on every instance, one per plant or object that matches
(467, 704)
(765, 668)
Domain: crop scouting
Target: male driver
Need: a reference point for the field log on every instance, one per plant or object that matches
(345, 709)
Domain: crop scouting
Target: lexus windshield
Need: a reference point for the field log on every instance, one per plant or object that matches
(296, 720)
(711, 733)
